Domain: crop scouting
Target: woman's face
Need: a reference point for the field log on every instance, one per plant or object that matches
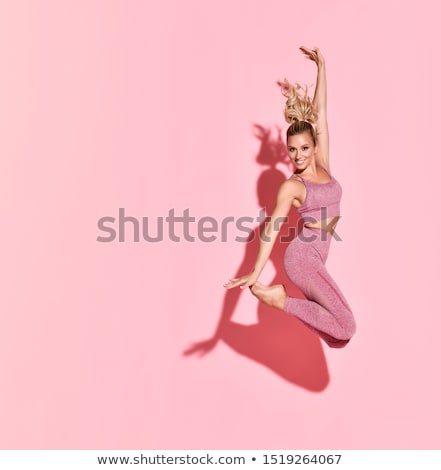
(301, 149)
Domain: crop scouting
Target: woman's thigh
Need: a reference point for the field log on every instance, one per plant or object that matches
(302, 262)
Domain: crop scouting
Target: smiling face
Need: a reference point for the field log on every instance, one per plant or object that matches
(301, 149)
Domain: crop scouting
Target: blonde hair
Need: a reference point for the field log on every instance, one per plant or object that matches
(299, 110)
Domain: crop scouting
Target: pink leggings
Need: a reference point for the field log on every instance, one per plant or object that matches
(325, 309)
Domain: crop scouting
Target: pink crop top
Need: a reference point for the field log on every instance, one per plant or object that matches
(322, 199)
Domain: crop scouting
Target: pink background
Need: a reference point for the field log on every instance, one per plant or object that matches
(153, 105)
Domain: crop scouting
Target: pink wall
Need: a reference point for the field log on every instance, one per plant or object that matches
(150, 106)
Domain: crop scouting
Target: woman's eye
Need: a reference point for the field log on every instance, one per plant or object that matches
(305, 148)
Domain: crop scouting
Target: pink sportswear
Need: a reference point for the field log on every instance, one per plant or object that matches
(325, 309)
(322, 199)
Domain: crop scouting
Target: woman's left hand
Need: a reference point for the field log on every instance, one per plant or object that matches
(244, 281)
(313, 54)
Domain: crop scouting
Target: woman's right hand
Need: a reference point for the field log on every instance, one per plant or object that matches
(314, 54)
(244, 281)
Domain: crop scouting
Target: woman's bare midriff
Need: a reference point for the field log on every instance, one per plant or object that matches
(325, 224)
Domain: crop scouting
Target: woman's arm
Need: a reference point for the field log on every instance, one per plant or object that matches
(287, 192)
(320, 106)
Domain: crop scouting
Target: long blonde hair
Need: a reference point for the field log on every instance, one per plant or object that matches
(299, 110)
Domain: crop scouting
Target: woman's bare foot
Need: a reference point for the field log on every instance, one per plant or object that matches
(273, 296)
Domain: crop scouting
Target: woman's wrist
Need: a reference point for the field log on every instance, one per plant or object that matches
(256, 272)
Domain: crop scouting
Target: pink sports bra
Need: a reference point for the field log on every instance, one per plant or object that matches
(322, 199)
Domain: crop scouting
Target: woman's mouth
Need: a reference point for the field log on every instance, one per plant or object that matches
(300, 161)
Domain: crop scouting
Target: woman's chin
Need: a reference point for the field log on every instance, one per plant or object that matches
(301, 166)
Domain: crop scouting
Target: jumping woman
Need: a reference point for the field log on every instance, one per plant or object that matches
(316, 194)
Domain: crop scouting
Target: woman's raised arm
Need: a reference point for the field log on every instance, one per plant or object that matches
(320, 106)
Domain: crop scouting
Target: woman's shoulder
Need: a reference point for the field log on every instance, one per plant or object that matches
(291, 187)
(292, 182)
(296, 177)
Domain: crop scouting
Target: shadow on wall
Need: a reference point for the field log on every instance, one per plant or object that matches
(278, 340)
